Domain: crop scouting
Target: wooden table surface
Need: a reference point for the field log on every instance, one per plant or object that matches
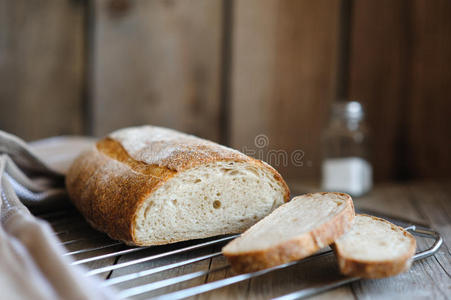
(425, 202)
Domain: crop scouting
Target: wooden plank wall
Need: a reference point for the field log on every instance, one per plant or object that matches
(41, 67)
(232, 70)
(399, 68)
(283, 79)
(157, 62)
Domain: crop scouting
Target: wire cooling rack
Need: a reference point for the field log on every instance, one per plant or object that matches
(183, 269)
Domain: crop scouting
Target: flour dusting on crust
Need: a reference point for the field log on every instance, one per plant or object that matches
(172, 149)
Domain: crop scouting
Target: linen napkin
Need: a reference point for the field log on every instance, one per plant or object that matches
(32, 265)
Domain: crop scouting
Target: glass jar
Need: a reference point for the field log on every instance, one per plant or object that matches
(345, 166)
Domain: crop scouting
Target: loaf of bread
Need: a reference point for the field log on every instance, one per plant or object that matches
(374, 248)
(150, 186)
(293, 231)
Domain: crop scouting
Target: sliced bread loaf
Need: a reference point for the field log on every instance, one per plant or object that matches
(149, 185)
(293, 231)
(374, 248)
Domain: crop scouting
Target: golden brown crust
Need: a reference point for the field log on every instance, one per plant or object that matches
(108, 186)
(171, 149)
(376, 269)
(108, 192)
(298, 248)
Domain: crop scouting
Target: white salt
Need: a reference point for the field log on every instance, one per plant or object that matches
(352, 175)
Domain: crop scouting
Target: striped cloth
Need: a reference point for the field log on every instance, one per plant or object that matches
(32, 265)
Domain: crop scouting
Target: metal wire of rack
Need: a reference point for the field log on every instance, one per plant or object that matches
(91, 249)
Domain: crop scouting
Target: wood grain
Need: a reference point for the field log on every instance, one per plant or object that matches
(377, 76)
(425, 202)
(157, 62)
(306, 274)
(72, 227)
(198, 266)
(422, 203)
(428, 127)
(398, 58)
(427, 278)
(391, 200)
(41, 67)
(229, 71)
(234, 291)
(284, 60)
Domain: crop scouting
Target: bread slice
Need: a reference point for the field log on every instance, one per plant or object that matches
(150, 186)
(374, 248)
(293, 231)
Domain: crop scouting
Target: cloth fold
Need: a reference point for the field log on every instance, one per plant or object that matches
(32, 261)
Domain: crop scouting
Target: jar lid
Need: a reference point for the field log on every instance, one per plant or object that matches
(348, 109)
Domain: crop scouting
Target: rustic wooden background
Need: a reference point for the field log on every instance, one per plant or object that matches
(230, 70)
